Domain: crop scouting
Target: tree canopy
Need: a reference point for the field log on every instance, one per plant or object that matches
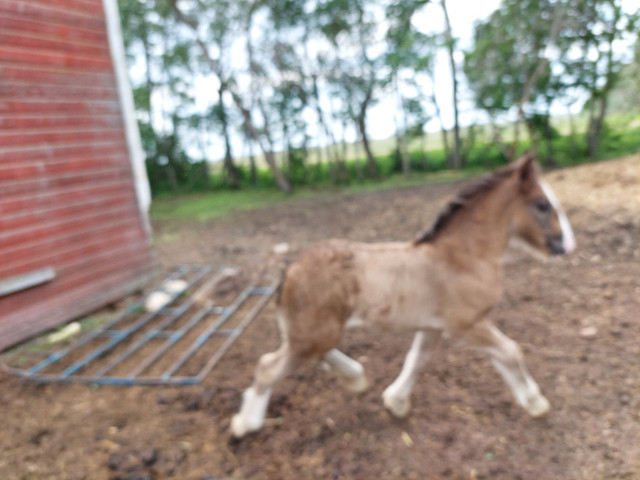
(288, 75)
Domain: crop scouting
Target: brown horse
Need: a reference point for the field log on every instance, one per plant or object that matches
(446, 281)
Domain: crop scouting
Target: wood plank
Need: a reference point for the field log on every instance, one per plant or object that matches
(17, 204)
(92, 7)
(48, 229)
(59, 92)
(46, 255)
(52, 14)
(45, 168)
(93, 107)
(30, 138)
(38, 153)
(64, 255)
(40, 74)
(61, 122)
(67, 31)
(67, 181)
(24, 56)
(33, 41)
(38, 214)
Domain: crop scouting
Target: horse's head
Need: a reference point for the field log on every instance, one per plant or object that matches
(540, 220)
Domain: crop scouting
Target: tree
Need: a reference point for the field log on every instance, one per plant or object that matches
(221, 19)
(508, 66)
(590, 58)
(450, 42)
(409, 54)
(163, 97)
(356, 68)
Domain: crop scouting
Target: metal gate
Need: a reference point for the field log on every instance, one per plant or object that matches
(177, 344)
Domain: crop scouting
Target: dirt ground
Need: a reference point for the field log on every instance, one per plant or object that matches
(578, 322)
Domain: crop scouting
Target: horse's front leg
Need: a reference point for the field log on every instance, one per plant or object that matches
(351, 370)
(508, 360)
(396, 397)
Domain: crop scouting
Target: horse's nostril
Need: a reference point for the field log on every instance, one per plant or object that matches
(555, 245)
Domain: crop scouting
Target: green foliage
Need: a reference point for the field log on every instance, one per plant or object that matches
(272, 65)
(506, 51)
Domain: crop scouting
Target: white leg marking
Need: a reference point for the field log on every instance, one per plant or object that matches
(251, 415)
(349, 368)
(396, 396)
(568, 238)
(272, 367)
(506, 357)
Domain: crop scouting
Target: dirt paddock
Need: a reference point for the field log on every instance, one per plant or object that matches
(578, 322)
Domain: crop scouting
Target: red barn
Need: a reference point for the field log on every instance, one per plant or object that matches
(74, 196)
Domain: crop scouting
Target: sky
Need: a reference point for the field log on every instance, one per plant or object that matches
(462, 15)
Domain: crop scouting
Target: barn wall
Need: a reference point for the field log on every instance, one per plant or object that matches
(68, 200)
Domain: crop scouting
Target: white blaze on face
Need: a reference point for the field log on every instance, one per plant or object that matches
(568, 239)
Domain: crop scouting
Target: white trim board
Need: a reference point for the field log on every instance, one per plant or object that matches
(136, 154)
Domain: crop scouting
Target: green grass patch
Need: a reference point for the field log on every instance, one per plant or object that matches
(620, 137)
(206, 206)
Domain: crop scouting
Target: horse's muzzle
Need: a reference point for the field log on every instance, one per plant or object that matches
(555, 245)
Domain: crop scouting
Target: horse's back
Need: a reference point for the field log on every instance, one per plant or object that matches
(383, 284)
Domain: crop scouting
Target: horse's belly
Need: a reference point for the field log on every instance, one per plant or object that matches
(395, 319)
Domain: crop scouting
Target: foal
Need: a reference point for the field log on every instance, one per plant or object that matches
(446, 281)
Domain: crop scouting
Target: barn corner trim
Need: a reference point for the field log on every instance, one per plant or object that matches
(132, 133)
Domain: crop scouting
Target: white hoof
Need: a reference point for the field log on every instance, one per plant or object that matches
(399, 407)
(239, 428)
(250, 418)
(538, 406)
(358, 384)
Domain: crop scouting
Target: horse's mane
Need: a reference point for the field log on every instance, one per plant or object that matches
(466, 196)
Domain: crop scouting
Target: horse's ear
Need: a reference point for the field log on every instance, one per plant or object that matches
(527, 172)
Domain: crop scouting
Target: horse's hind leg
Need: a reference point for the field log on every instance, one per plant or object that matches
(272, 367)
(351, 370)
(508, 360)
(396, 397)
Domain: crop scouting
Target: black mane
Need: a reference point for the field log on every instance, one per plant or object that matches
(461, 201)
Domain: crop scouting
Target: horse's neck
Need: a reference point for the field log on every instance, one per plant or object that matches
(482, 230)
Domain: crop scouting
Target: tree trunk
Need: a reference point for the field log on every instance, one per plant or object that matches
(548, 135)
(401, 130)
(269, 157)
(595, 128)
(595, 125)
(229, 165)
(372, 167)
(281, 182)
(558, 13)
(456, 160)
(443, 131)
(253, 172)
(423, 151)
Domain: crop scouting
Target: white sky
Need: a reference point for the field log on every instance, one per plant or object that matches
(462, 15)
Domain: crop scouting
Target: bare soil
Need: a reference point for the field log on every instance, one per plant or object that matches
(578, 322)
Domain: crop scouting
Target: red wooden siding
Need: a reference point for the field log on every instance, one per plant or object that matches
(67, 195)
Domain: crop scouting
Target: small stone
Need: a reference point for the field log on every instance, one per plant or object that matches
(109, 445)
(281, 248)
(407, 439)
(588, 332)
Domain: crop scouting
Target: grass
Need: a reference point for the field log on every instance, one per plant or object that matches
(27, 354)
(621, 137)
(206, 206)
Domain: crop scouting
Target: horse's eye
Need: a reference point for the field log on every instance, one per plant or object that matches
(543, 205)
